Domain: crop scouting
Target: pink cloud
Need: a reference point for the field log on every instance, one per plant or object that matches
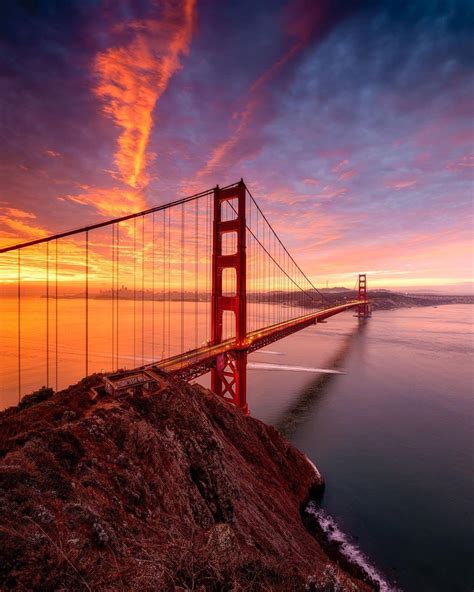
(52, 153)
(338, 167)
(330, 192)
(401, 184)
(463, 164)
(347, 174)
(341, 170)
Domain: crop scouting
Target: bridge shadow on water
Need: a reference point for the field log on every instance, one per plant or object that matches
(300, 411)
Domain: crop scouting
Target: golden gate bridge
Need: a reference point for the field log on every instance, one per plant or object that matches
(203, 282)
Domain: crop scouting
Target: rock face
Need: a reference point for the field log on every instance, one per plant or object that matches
(171, 491)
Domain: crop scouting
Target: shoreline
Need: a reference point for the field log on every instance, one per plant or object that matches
(89, 464)
(338, 547)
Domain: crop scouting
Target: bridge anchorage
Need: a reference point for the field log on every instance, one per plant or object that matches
(189, 287)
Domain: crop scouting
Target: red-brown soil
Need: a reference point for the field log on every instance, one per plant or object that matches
(171, 491)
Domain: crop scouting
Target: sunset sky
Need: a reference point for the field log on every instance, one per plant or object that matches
(350, 121)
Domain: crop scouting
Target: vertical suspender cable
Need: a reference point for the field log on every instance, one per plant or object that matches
(163, 287)
(153, 287)
(262, 282)
(56, 319)
(112, 291)
(143, 290)
(270, 249)
(257, 275)
(19, 322)
(248, 242)
(134, 292)
(182, 278)
(47, 314)
(87, 303)
(169, 282)
(117, 291)
(262, 271)
(267, 279)
(208, 264)
(272, 276)
(278, 278)
(196, 272)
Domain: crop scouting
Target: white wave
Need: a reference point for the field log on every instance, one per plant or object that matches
(271, 352)
(348, 549)
(314, 467)
(267, 366)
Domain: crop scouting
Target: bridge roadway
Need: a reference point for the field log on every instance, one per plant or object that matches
(197, 362)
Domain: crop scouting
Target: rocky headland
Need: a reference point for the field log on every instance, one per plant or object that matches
(172, 490)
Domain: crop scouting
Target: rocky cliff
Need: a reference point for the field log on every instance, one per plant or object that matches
(175, 490)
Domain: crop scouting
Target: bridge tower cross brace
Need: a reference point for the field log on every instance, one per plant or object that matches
(364, 309)
(229, 375)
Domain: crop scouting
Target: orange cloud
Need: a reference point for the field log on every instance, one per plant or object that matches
(14, 227)
(114, 202)
(15, 213)
(133, 77)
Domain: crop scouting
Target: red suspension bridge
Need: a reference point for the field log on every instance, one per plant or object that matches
(190, 287)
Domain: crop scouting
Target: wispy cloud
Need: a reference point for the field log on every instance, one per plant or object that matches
(131, 79)
(134, 76)
(401, 184)
(16, 223)
(52, 153)
(303, 23)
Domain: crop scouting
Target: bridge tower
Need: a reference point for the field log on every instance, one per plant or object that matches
(229, 374)
(364, 311)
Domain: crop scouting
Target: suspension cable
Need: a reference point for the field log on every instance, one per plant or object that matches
(87, 304)
(271, 257)
(56, 319)
(282, 244)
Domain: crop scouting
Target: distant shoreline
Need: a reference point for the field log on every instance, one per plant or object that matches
(380, 299)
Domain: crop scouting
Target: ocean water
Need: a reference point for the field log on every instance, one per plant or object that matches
(392, 433)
